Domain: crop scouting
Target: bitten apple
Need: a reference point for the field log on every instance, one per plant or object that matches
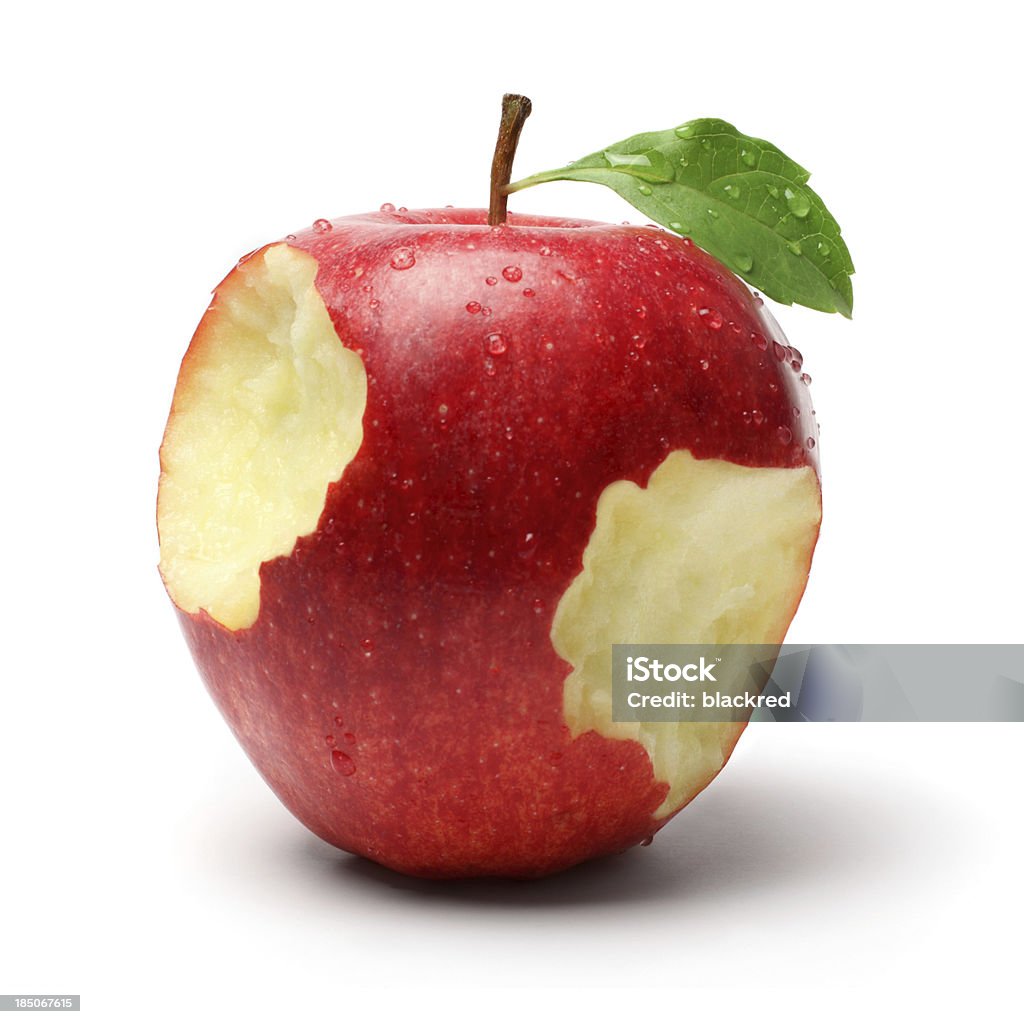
(424, 468)
(420, 473)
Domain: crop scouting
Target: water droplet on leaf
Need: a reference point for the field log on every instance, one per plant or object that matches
(799, 205)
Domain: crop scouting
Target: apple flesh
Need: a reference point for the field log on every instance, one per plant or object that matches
(420, 474)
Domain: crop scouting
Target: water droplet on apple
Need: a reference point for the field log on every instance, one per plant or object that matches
(403, 209)
(496, 344)
(342, 763)
(485, 311)
(403, 259)
(779, 350)
(290, 238)
(539, 605)
(796, 411)
(759, 340)
(321, 226)
(744, 261)
(544, 250)
(785, 435)
(349, 737)
(704, 364)
(806, 378)
(473, 307)
(795, 248)
(338, 720)
(712, 318)
(796, 359)
(529, 293)
(746, 416)
(387, 207)
(757, 416)
(810, 442)
(644, 190)
(748, 157)
(647, 841)
(528, 545)
(329, 740)
(799, 205)
(512, 274)
(367, 645)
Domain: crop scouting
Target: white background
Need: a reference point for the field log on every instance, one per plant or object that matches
(142, 859)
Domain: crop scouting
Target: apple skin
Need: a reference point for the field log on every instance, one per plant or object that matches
(399, 690)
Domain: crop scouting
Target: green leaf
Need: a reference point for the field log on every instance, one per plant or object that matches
(740, 198)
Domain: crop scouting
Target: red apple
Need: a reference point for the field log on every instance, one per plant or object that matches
(421, 473)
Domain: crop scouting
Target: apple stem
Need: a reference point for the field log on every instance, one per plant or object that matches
(515, 109)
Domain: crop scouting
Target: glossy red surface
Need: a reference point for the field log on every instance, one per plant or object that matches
(399, 690)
